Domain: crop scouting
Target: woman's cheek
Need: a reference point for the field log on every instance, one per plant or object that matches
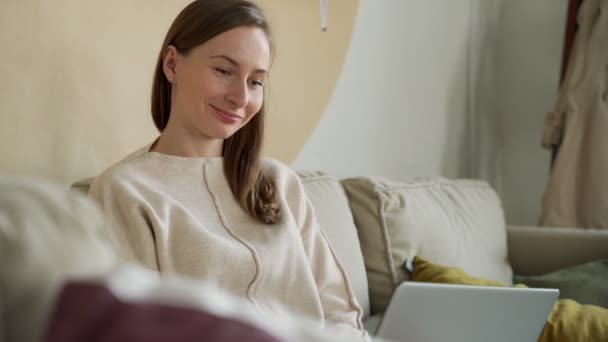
(256, 105)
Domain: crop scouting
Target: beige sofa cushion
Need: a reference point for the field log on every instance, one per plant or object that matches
(47, 234)
(334, 216)
(452, 222)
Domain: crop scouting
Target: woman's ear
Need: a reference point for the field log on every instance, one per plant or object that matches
(169, 61)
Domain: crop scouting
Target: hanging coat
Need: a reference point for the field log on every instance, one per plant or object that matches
(577, 191)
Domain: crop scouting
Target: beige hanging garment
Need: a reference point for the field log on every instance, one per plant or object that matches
(577, 191)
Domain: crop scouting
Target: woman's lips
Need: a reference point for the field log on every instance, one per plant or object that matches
(225, 117)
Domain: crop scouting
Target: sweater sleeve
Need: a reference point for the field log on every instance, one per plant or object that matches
(340, 307)
(130, 227)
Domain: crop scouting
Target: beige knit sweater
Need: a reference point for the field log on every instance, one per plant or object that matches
(178, 215)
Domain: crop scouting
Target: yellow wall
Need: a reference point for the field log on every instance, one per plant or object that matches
(75, 79)
(307, 66)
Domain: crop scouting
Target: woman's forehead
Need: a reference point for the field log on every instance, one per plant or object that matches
(245, 45)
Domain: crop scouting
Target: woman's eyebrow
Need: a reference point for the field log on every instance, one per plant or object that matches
(236, 64)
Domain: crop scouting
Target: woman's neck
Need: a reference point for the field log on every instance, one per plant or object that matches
(174, 142)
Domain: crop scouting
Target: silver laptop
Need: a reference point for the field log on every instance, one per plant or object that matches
(428, 312)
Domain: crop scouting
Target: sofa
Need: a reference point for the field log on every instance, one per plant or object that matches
(373, 224)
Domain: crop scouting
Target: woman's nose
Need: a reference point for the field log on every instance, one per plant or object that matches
(237, 94)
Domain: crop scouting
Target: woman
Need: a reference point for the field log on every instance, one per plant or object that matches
(200, 201)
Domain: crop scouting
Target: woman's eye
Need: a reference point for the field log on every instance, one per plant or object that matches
(256, 83)
(222, 71)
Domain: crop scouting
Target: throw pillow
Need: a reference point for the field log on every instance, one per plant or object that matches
(107, 317)
(584, 283)
(429, 272)
(455, 222)
(568, 321)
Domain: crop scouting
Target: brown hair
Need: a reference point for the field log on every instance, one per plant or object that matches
(200, 21)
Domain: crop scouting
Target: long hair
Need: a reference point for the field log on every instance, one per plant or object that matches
(200, 21)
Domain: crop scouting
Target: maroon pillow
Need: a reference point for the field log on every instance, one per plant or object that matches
(90, 312)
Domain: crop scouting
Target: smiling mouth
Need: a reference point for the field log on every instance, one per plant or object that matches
(224, 116)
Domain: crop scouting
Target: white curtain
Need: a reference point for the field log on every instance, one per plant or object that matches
(483, 127)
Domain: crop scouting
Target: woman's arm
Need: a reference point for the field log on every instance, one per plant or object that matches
(128, 215)
(340, 306)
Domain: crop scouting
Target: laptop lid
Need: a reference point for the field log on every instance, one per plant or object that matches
(420, 312)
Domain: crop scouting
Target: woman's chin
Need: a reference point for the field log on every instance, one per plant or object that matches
(223, 134)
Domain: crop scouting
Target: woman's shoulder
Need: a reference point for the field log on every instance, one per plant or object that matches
(277, 170)
(273, 165)
(128, 170)
(288, 184)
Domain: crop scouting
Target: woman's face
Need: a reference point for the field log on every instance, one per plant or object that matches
(218, 86)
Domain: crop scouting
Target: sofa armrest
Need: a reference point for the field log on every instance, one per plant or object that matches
(539, 250)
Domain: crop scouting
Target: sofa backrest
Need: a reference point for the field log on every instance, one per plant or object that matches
(456, 223)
